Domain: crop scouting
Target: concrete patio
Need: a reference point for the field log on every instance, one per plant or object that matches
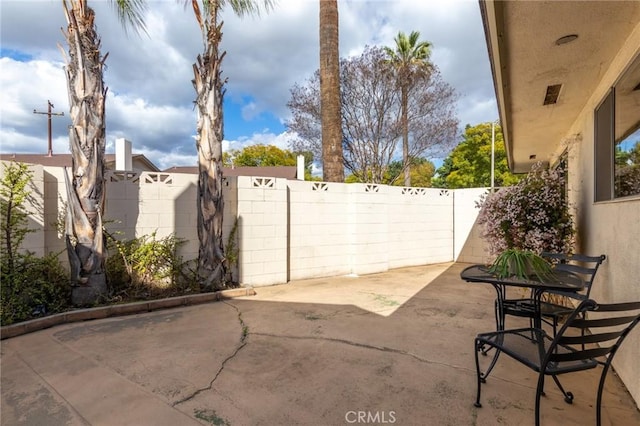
(394, 348)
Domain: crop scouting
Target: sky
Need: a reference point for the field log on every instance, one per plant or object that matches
(150, 95)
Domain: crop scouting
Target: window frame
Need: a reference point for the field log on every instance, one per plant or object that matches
(609, 131)
(604, 141)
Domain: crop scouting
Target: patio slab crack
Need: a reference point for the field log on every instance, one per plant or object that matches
(242, 344)
(368, 346)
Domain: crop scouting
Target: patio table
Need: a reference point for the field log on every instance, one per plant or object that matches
(557, 280)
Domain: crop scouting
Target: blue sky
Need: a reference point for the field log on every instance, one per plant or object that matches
(237, 125)
(150, 97)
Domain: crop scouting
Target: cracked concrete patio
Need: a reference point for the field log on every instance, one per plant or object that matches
(387, 348)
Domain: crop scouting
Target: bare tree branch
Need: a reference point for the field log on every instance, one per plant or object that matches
(371, 116)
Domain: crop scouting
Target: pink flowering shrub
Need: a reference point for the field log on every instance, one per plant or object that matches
(530, 215)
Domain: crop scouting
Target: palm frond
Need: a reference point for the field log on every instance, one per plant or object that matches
(131, 14)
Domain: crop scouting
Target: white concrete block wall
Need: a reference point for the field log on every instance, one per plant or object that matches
(420, 226)
(439, 223)
(407, 228)
(262, 236)
(55, 209)
(320, 231)
(290, 230)
(139, 204)
(136, 205)
(468, 242)
(167, 206)
(122, 206)
(369, 228)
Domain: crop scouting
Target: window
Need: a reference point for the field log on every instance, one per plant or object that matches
(617, 138)
(627, 166)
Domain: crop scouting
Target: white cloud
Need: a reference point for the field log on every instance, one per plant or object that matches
(265, 138)
(164, 160)
(150, 98)
(250, 111)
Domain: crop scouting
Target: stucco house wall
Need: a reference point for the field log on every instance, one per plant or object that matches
(611, 227)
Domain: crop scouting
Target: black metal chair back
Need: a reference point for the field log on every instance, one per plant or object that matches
(582, 343)
(584, 266)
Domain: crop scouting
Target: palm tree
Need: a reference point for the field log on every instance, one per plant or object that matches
(410, 59)
(332, 160)
(86, 188)
(208, 84)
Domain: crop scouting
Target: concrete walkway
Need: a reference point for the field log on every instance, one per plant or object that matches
(392, 348)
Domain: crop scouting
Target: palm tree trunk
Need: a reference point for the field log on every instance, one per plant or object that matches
(208, 83)
(405, 137)
(86, 188)
(332, 158)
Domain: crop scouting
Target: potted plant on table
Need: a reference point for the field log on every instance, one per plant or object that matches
(522, 264)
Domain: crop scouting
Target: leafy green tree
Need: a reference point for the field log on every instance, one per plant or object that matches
(260, 155)
(267, 155)
(627, 170)
(469, 164)
(422, 171)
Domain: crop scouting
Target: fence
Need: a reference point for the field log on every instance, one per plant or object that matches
(287, 230)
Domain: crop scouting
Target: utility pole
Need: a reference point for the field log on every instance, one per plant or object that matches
(493, 150)
(49, 114)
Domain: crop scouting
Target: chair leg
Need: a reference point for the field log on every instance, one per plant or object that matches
(531, 325)
(497, 314)
(539, 392)
(568, 396)
(603, 377)
(478, 374)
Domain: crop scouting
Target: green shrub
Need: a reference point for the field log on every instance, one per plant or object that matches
(33, 288)
(14, 193)
(530, 215)
(145, 267)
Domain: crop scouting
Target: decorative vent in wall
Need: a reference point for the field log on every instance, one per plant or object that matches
(445, 192)
(371, 188)
(164, 178)
(414, 191)
(257, 182)
(132, 177)
(320, 186)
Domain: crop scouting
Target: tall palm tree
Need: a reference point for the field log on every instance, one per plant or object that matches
(332, 159)
(86, 188)
(410, 58)
(208, 84)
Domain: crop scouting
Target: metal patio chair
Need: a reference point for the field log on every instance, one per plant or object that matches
(582, 265)
(580, 344)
